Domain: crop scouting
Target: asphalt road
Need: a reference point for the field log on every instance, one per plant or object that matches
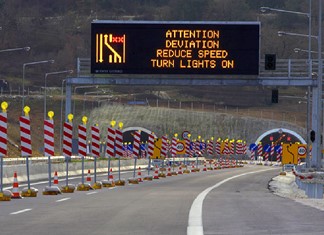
(236, 203)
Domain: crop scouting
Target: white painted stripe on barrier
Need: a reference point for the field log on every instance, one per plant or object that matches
(21, 211)
(195, 224)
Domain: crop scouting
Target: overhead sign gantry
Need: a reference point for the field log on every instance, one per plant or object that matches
(158, 47)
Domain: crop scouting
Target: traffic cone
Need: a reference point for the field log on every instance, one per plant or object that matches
(88, 177)
(55, 181)
(139, 175)
(156, 173)
(180, 170)
(111, 176)
(205, 168)
(193, 168)
(15, 188)
(169, 172)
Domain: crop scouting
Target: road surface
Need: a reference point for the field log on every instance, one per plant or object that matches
(237, 201)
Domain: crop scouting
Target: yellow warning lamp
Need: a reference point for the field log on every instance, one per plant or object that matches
(50, 114)
(112, 123)
(70, 117)
(176, 135)
(84, 120)
(4, 106)
(120, 125)
(199, 137)
(189, 135)
(26, 110)
(212, 138)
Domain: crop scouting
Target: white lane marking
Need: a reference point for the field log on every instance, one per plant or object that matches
(195, 225)
(91, 193)
(63, 199)
(21, 211)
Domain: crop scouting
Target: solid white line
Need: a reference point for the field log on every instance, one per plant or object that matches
(63, 199)
(91, 193)
(21, 211)
(195, 225)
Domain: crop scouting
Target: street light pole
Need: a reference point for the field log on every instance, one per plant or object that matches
(314, 89)
(45, 85)
(23, 79)
(318, 158)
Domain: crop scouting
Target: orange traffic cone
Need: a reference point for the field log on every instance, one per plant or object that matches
(169, 172)
(89, 177)
(111, 176)
(180, 170)
(139, 175)
(193, 168)
(55, 181)
(15, 188)
(205, 168)
(156, 173)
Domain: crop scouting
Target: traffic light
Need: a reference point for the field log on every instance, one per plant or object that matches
(312, 135)
(275, 96)
(270, 62)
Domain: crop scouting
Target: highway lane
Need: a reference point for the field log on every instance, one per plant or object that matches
(244, 205)
(157, 207)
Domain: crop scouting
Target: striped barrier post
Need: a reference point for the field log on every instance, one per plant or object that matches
(210, 147)
(49, 142)
(136, 148)
(95, 148)
(67, 147)
(150, 150)
(272, 150)
(259, 150)
(82, 143)
(188, 151)
(110, 148)
(164, 149)
(174, 142)
(25, 139)
(3, 140)
(119, 150)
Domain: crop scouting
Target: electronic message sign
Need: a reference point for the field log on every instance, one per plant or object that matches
(155, 47)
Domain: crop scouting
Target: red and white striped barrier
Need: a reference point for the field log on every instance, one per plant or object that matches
(49, 138)
(259, 150)
(3, 134)
(67, 139)
(210, 147)
(136, 144)
(218, 147)
(164, 147)
(150, 145)
(25, 137)
(272, 150)
(119, 143)
(82, 139)
(187, 147)
(95, 141)
(110, 142)
(174, 147)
